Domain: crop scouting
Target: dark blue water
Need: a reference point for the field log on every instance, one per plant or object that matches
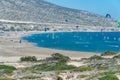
(78, 41)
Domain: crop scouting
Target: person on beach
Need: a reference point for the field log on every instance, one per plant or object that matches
(20, 41)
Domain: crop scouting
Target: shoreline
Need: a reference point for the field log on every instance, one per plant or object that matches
(11, 49)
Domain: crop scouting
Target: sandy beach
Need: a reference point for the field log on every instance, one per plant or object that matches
(11, 49)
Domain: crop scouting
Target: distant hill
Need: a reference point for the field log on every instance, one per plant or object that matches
(41, 11)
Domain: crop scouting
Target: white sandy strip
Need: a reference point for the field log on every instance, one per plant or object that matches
(9, 59)
(75, 63)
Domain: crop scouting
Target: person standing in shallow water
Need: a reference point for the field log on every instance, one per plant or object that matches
(20, 41)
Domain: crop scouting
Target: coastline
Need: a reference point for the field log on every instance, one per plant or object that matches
(11, 49)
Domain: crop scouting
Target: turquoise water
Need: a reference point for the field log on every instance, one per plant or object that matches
(78, 41)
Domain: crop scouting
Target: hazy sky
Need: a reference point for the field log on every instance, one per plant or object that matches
(101, 7)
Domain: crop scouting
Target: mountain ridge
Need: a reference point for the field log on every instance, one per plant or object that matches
(45, 12)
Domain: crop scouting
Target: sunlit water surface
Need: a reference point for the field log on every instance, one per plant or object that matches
(78, 41)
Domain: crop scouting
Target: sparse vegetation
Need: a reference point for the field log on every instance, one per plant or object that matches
(56, 66)
(107, 53)
(95, 57)
(116, 56)
(29, 59)
(8, 70)
(7, 67)
(57, 57)
(54, 63)
(6, 79)
(84, 68)
(83, 76)
(102, 68)
(109, 77)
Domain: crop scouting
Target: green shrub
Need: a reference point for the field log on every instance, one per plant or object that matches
(95, 57)
(56, 62)
(7, 67)
(83, 76)
(107, 53)
(8, 72)
(58, 57)
(28, 58)
(102, 67)
(84, 69)
(109, 77)
(6, 79)
(107, 73)
(53, 67)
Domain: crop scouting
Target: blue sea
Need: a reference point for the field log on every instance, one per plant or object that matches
(78, 41)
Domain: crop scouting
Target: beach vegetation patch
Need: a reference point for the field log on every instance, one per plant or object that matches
(28, 59)
(102, 67)
(116, 56)
(95, 57)
(108, 53)
(6, 79)
(84, 68)
(56, 62)
(109, 77)
(83, 76)
(57, 57)
(7, 67)
(56, 66)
